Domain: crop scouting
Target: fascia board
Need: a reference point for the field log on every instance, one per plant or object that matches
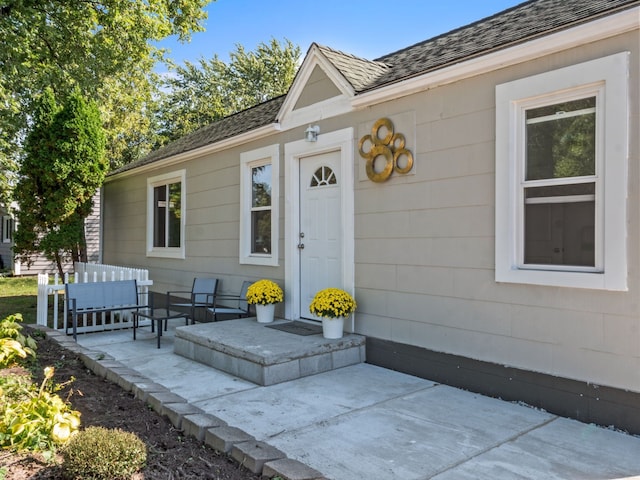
(593, 31)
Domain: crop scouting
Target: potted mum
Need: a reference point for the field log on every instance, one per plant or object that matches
(333, 305)
(264, 294)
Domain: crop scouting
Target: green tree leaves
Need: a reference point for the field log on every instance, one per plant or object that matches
(63, 167)
(103, 47)
(203, 92)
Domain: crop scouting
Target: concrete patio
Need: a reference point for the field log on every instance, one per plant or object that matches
(356, 422)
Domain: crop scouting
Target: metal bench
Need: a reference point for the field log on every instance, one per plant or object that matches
(98, 297)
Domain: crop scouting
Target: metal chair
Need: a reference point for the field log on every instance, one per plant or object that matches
(241, 309)
(201, 296)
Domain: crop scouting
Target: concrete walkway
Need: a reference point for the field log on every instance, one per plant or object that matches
(359, 422)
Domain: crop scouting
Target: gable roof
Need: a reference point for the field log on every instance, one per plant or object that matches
(519, 24)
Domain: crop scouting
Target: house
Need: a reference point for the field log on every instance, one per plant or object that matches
(478, 192)
(6, 239)
(39, 263)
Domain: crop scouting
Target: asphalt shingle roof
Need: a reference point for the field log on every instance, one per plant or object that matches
(359, 72)
(518, 24)
(236, 124)
(521, 23)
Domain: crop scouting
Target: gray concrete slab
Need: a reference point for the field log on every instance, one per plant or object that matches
(270, 411)
(363, 422)
(412, 436)
(562, 449)
(264, 356)
(269, 347)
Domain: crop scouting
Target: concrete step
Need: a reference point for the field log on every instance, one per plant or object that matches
(249, 350)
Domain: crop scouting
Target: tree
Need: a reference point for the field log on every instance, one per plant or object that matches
(63, 167)
(203, 92)
(103, 47)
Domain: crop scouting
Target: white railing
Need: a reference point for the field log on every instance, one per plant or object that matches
(90, 272)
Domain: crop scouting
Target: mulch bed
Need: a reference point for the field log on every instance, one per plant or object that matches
(171, 455)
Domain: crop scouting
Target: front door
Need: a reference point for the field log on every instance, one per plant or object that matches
(320, 235)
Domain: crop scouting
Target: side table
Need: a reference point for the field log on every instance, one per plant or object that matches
(157, 316)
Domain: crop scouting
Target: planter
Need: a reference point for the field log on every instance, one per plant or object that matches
(332, 327)
(265, 312)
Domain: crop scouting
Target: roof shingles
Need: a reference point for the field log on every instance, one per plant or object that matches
(515, 25)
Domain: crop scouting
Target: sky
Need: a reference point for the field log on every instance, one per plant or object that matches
(368, 29)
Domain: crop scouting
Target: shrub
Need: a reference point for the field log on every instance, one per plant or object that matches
(99, 453)
(14, 387)
(13, 344)
(36, 420)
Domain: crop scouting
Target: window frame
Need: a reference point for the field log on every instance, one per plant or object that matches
(178, 176)
(269, 155)
(7, 228)
(607, 79)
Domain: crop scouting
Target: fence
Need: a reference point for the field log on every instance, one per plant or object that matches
(89, 272)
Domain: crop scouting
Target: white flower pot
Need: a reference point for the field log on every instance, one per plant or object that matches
(265, 312)
(332, 327)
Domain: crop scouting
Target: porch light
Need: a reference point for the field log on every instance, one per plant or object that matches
(311, 133)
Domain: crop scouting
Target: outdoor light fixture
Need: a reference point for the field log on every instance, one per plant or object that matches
(311, 133)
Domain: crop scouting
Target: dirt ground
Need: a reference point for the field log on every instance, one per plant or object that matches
(102, 403)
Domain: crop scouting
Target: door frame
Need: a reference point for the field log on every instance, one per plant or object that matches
(339, 140)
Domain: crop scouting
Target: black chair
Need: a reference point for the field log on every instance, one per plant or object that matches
(240, 307)
(201, 296)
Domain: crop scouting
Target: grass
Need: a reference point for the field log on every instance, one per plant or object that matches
(19, 295)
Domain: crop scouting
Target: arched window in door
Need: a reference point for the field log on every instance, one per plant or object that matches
(323, 176)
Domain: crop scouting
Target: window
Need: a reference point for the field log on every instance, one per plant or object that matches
(165, 214)
(7, 229)
(259, 196)
(261, 209)
(561, 177)
(323, 176)
(560, 184)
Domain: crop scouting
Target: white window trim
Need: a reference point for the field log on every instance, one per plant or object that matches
(269, 155)
(159, 180)
(611, 74)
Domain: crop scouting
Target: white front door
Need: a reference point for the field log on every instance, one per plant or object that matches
(320, 235)
(319, 203)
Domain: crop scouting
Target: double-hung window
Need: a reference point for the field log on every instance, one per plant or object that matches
(165, 215)
(559, 187)
(259, 196)
(561, 176)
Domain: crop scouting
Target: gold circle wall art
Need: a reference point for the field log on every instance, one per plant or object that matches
(390, 148)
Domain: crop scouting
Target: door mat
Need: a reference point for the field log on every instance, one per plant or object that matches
(297, 328)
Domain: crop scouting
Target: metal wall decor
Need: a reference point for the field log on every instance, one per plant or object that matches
(391, 147)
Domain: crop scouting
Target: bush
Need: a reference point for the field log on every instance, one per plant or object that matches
(35, 420)
(99, 453)
(13, 344)
(15, 387)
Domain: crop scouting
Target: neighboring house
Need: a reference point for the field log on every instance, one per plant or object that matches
(39, 263)
(7, 227)
(479, 193)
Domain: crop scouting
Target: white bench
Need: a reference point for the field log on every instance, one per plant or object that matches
(97, 297)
